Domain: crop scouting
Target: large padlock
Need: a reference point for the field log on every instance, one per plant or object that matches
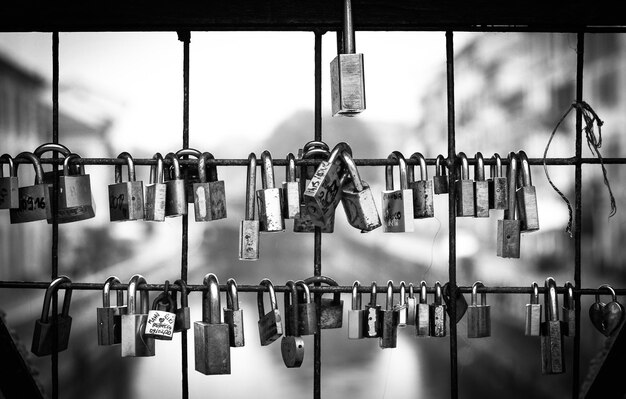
(109, 318)
(481, 188)
(411, 306)
(270, 323)
(552, 348)
(440, 180)
(209, 193)
(498, 186)
(189, 171)
(249, 227)
(162, 316)
(389, 336)
(331, 315)
(422, 313)
(183, 316)
(155, 192)
(478, 316)
(34, 200)
(126, 198)
(460, 304)
(508, 229)
(75, 199)
(397, 205)
(607, 318)
(372, 325)
(211, 342)
(8, 185)
(307, 311)
(292, 344)
(135, 343)
(422, 190)
(270, 198)
(43, 334)
(437, 314)
(175, 194)
(347, 79)
(465, 203)
(569, 311)
(356, 315)
(291, 190)
(526, 197)
(357, 199)
(533, 314)
(233, 315)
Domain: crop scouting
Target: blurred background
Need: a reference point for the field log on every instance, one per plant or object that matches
(255, 91)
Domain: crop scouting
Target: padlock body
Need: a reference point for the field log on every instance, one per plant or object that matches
(498, 193)
(322, 195)
(441, 185)
(175, 198)
(347, 84)
(183, 319)
(270, 327)
(155, 202)
(422, 199)
(134, 341)
(372, 325)
(481, 199)
(332, 313)
(270, 210)
(360, 207)
(478, 321)
(569, 322)
(9, 197)
(109, 325)
(533, 320)
(508, 236)
(291, 200)
(307, 319)
(397, 207)
(461, 304)
(527, 206)
(42, 335)
(234, 320)
(75, 191)
(126, 201)
(211, 348)
(552, 349)
(402, 315)
(355, 323)
(389, 336)
(303, 223)
(34, 204)
(422, 320)
(249, 240)
(209, 201)
(160, 325)
(292, 350)
(465, 198)
(411, 309)
(437, 320)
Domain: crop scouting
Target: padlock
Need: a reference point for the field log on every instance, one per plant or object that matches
(389, 316)
(211, 342)
(332, 309)
(292, 344)
(75, 199)
(440, 180)
(35, 199)
(270, 198)
(464, 190)
(460, 304)
(422, 190)
(175, 195)
(270, 323)
(209, 194)
(481, 188)
(526, 197)
(48, 177)
(291, 190)
(155, 192)
(607, 318)
(357, 199)
(372, 325)
(162, 316)
(9, 198)
(498, 186)
(233, 315)
(126, 198)
(422, 314)
(533, 314)
(323, 193)
(508, 229)
(569, 311)
(109, 318)
(43, 339)
(249, 227)
(356, 315)
(189, 172)
(437, 314)
(307, 311)
(401, 307)
(411, 306)
(478, 316)
(183, 316)
(134, 341)
(397, 205)
(552, 348)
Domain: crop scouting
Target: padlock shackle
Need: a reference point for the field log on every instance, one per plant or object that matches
(250, 187)
(36, 165)
(66, 164)
(524, 174)
(290, 171)
(164, 298)
(440, 166)
(50, 291)
(232, 296)
(438, 294)
(174, 168)
(551, 300)
(389, 298)
(411, 291)
(479, 167)
(373, 293)
(464, 166)
(305, 288)
(608, 288)
(568, 297)
(328, 281)
(534, 297)
(348, 35)
(402, 293)
(156, 171)
(483, 296)
(423, 293)
(259, 299)
(337, 150)
(52, 147)
(509, 214)
(267, 170)
(131, 167)
(356, 296)
(106, 297)
(291, 299)
(211, 306)
(9, 160)
(184, 302)
(311, 150)
(203, 167)
(423, 170)
(352, 171)
(190, 152)
(496, 169)
(404, 182)
(131, 295)
(315, 145)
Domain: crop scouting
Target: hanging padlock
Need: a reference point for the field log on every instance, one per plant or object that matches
(162, 316)
(607, 318)
(508, 230)
(460, 304)
(533, 314)
(357, 199)
(356, 315)
(526, 197)
(249, 227)
(75, 199)
(465, 203)
(126, 198)
(411, 306)
(440, 180)
(372, 325)
(397, 205)
(209, 194)
(422, 313)
(212, 345)
(134, 341)
(189, 172)
(109, 318)
(478, 316)
(270, 323)
(175, 195)
(332, 309)
(481, 188)
(43, 339)
(389, 336)
(155, 192)
(498, 187)
(437, 314)
(34, 200)
(422, 190)
(292, 344)
(9, 198)
(183, 316)
(401, 307)
(346, 72)
(291, 190)
(552, 348)
(48, 177)
(307, 311)
(569, 311)
(270, 198)
(233, 315)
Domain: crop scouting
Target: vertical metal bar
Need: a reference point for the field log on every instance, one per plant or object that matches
(54, 204)
(318, 86)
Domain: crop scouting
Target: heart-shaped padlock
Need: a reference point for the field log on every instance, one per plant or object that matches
(607, 318)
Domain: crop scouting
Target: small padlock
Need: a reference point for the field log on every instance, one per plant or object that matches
(9, 198)
(481, 188)
(183, 316)
(155, 192)
(526, 197)
(292, 345)
(233, 315)
(569, 311)
(270, 324)
(372, 325)
(356, 315)
(508, 230)
(440, 180)
(422, 190)
(307, 311)
(397, 205)
(209, 194)
(464, 190)
(389, 336)
(188, 171)
(498, 186)
(437, 314)
(126, 198)
(270, 198)
(331, 315)
(134, 341)
(162, 316)
(34, 201)
(411, 306)
(346, 72)
(460, 304)
(357, 199)
(607, 318)
(109, 318)
(291, 190)
(211, 342)
(75, 199)
(422, 314)
(478, 316)
(249, 227)
(175, 194)
(43, 339)
(401, 307)
(552, 348)
(533, 314)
